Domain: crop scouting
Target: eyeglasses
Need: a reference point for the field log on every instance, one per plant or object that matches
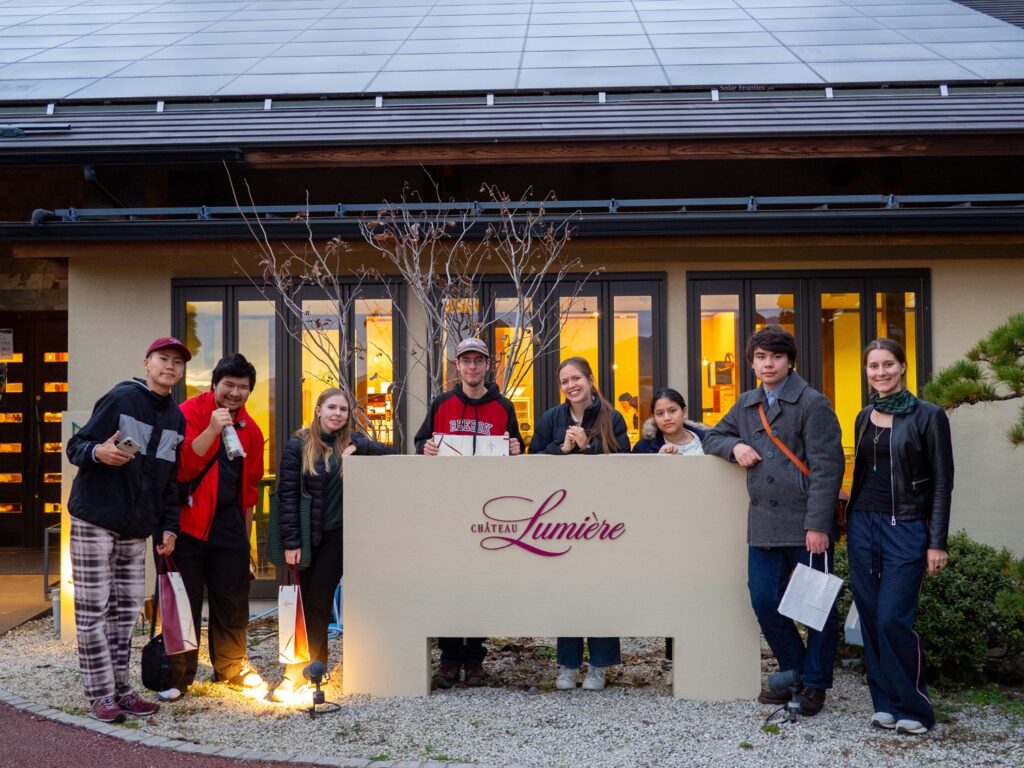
(472, 361)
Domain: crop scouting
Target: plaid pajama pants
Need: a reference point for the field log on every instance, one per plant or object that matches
(109, 573)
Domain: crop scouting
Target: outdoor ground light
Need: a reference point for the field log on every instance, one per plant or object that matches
(315, 672)
(787, 680)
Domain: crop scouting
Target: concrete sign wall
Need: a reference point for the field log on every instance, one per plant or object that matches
(641, 546)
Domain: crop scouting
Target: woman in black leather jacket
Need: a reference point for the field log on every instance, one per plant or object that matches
(311, 464)
(898, 522)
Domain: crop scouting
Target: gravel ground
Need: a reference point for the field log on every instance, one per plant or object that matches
(521, 721)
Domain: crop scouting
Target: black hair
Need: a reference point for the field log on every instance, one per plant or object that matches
(671, 394)
(772, 338)
(236, 366)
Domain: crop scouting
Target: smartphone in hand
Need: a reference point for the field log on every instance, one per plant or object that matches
(127, 445)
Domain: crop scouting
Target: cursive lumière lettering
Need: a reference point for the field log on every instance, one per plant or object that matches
(537, 532)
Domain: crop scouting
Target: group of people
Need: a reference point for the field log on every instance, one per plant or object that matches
(783, 433)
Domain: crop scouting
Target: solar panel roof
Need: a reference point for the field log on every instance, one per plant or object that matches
(52, 50)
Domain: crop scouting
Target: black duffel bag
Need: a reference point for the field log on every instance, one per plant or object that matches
(155, 666)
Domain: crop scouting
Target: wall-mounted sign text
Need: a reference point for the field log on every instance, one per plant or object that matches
(516, 521)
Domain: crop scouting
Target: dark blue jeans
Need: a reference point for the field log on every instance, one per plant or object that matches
(604, 651)
(887, 565)
(768, 572)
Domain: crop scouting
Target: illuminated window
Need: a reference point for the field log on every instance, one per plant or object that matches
(10, 447)
(720, 356)
(462, 319)
(53, 418)
(10, 477)
(374, 365)
(257, 341)
(633, 364)
(55, 386)
(52, 509)
(513, 361)
(204, 337)
(51, 477)
(55, 357)
(17, 357)
(51, 447)
(580, 317)
(831, 314)
(11, 418)
(10, 508)
(14, 387)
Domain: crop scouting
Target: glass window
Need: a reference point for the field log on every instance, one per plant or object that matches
(580, 317)
(896, 319)
(633, 362)
(841, 373)
(513, 362)
(720, 354)
(462, 319)
(375, 370)
(204, 337)
(257, 341)
(320, 339)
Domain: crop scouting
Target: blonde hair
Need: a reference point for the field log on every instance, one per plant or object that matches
(313, 444)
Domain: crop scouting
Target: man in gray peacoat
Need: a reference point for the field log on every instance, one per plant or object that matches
(791, 517)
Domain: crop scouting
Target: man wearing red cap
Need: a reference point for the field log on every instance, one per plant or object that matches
(125, 491)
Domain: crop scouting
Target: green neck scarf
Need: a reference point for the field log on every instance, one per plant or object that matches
(901, 403)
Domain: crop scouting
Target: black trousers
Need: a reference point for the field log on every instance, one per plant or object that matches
(318, 583)
(460, 650)
(223, 571)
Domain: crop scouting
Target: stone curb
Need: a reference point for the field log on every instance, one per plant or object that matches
(162, 742)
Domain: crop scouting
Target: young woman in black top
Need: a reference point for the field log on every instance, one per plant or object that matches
(898, 523)
(313, 458)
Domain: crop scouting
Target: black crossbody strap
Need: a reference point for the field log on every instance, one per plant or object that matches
(193, 484)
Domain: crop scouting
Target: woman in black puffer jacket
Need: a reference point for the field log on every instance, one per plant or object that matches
(313, 459)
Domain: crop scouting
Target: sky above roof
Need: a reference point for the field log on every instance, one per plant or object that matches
(52, 50)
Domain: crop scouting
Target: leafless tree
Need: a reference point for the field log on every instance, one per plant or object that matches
(443, 250)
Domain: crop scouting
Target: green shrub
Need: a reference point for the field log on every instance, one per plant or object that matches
(972, 606)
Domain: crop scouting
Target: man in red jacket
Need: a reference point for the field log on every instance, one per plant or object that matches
(472, 407)
(212, 551)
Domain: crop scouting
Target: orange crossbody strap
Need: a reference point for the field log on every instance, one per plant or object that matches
(782, 446)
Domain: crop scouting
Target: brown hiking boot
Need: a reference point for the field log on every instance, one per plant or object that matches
(774, 698)
(475, 675)
(447, 675)
(811, 700)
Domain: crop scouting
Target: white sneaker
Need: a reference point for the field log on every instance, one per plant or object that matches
(171, 694)
(568, 678)
(910, 726)
(883, 720)
(595, 679)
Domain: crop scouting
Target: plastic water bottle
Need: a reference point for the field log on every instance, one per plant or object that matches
(232, 445)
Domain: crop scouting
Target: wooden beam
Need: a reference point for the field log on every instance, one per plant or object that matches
(811, 147)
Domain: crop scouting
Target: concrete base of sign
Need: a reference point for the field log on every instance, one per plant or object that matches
(636, 546)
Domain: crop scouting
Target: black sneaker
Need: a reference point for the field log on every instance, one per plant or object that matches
(475, 675)
(774, 698)
(447, 675)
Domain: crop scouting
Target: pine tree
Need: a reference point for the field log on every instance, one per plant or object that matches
(992, 370)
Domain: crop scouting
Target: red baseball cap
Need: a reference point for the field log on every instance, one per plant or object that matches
(169, 342)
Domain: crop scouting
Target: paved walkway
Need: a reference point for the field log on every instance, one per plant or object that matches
(35, 735)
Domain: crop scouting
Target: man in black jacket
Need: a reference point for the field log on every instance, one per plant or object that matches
(125, 491)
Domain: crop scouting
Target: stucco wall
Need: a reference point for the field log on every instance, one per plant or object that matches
(119, 303)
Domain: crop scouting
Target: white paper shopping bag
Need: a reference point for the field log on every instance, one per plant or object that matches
(178, 629)
(854, 634)
(292, 645)
(810, 595)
